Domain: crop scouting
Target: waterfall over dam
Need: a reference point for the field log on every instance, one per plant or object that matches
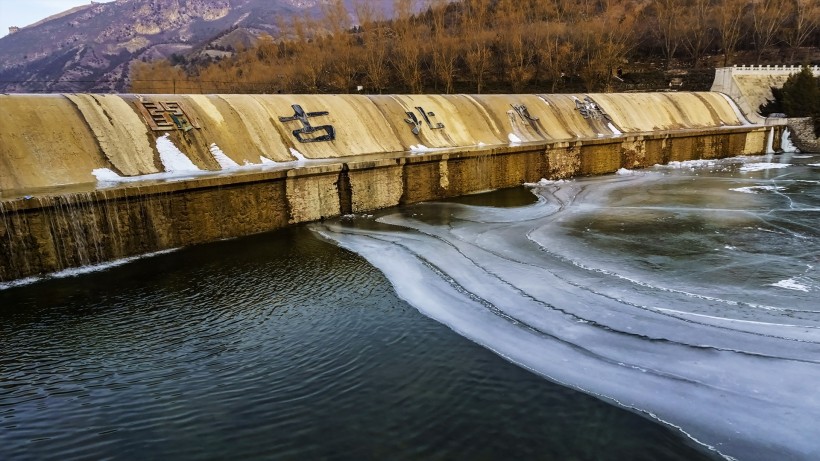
(89, 178)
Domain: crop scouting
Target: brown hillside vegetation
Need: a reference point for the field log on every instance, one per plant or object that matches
(491, 46)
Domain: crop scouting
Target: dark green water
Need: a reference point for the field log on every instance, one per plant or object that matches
(278, 346)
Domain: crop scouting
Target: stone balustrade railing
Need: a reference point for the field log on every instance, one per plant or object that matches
(768, 69)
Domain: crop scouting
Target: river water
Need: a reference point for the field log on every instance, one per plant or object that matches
(666, 313)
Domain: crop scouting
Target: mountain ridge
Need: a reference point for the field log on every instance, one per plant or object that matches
(91, 47)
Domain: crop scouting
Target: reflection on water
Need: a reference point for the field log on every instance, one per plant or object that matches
(278, 346)
(687, 292)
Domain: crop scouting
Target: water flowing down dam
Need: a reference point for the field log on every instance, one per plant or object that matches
(594, 276)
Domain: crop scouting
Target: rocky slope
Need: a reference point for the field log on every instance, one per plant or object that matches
(89, 48)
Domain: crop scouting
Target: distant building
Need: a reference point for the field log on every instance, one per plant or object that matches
(13, 29)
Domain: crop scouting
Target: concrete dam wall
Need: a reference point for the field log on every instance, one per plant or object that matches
(90, 178)
(751, 86)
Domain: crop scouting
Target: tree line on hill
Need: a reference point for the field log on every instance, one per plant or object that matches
(482, 46)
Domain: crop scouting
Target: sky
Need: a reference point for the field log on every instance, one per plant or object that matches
(22, 13)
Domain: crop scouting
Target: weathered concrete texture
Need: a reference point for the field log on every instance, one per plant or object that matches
(375, 185)
(471, 173)
(633, 152)
(312, 193)
(563, 160)
(641, 112)
(54, 233)
(753, 140)
(751, 86)
(27, 160)
(598, 159)
(120, 132)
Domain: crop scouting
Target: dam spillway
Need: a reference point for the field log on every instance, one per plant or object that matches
(91, 178)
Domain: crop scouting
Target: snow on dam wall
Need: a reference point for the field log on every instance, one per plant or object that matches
(88, 178)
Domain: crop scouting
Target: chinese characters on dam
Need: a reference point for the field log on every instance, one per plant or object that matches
(524, 113)
(307, 132)
(428, 117)
(166, 116)
(589, 109)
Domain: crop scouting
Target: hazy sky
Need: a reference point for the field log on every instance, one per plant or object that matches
(25, 12)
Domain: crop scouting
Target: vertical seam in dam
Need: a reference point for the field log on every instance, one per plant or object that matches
(345, 191)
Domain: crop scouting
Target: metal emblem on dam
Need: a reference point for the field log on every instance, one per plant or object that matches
(308, 129)
(166, 116)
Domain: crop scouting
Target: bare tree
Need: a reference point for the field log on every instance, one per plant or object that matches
(697, 29)
(371, 19)
(668, 14)
(555, 53)
(444, 46)
(517, 57)
(804, 17)
(477, 40)
(478, 59)
(407, 60)
(767, 17)
(730, 25)
(606, 40)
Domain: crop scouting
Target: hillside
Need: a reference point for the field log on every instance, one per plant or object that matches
(90, 48)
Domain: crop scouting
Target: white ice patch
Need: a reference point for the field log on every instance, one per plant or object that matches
(677, 363)
(173, 159)
(757, 189)
(763, 166)
(224, 161)
(690, 164)
(297, 154)
(786, 144)
(266, 161)
(514, 139)
(814, 164)
(419, 148)
(625, 172)
(76, 271)
(614, 130)
(791, 284)
(545, 182)
(106, 175)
